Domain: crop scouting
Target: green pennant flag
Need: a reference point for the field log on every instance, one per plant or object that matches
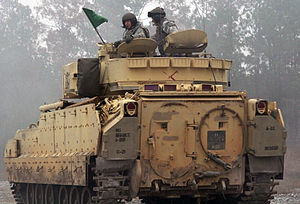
(95, 19)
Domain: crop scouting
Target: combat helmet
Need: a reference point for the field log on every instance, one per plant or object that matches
(131, 17)
(157, 14)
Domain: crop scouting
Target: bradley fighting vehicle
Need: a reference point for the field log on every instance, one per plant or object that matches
(163, 129)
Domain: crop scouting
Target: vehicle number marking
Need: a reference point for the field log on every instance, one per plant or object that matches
(271, 128)
(121, 137)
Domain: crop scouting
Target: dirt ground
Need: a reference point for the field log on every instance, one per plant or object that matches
(291, 181)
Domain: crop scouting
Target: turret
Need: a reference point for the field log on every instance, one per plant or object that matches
(134, 66)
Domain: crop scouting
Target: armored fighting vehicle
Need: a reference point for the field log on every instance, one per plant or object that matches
(164, 129)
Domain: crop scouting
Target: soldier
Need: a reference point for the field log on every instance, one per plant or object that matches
(133, 29)
(164, 27)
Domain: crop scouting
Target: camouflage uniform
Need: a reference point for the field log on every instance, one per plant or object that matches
(164, 28)
(136, 32)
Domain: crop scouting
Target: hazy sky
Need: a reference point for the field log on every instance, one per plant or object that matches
(30, 3)
(142, 17)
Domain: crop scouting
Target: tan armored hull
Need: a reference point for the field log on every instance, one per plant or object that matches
(164, 129)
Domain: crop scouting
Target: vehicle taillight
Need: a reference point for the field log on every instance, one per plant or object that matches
(261, 107)
(131, 108)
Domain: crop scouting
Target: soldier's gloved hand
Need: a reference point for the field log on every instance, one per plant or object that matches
(128, 38)
(117, 43)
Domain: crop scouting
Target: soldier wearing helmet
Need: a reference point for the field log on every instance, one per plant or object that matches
(133, 29)
(164, 27)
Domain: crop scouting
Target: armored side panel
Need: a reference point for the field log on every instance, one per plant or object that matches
(121, 140)
(120, 135)
(57, 150)
(266, 138)
(266, 130)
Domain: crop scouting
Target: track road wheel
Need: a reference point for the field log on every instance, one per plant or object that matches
(63, 196)
(86, 196)
(49, 195)
(30, 198)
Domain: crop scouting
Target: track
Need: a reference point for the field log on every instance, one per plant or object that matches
(258, 189)
(109, 187)
(113, 189)
(16, 192)
(291, 198)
